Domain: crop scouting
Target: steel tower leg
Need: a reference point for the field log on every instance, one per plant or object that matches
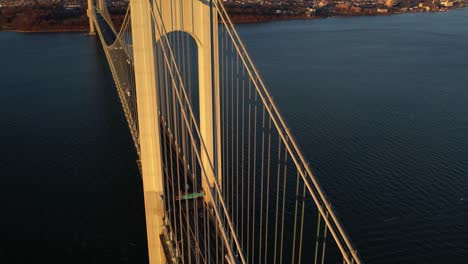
(149, 128)
(92, 30)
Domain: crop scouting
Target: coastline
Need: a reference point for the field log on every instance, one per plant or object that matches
(235, 18)
(45, 31)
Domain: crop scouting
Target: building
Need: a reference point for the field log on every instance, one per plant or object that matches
(446, 3)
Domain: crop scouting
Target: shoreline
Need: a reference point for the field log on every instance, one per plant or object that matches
(45, 31)
(263, 19)
(236, 19)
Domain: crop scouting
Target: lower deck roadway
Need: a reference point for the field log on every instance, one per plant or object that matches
(192, 221)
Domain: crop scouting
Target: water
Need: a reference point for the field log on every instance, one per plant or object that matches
(378, 104)
(69, 189)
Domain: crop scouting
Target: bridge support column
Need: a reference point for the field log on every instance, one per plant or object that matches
(149, 128)
(210, 123)
(92, 30)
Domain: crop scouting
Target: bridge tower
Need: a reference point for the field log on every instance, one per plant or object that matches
(199, 20)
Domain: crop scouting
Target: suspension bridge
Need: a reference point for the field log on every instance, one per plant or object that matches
(224, 180)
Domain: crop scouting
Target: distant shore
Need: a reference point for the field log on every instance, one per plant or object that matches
(48, 19)
(245, 18)
(39, 21)
(70, 30)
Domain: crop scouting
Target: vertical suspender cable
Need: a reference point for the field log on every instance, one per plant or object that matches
(277, 201)
(284, 201)
(295, 219)
(267, 191)
(261, 186)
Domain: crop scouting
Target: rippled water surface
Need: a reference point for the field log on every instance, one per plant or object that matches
(379, 105)
(69, 185)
